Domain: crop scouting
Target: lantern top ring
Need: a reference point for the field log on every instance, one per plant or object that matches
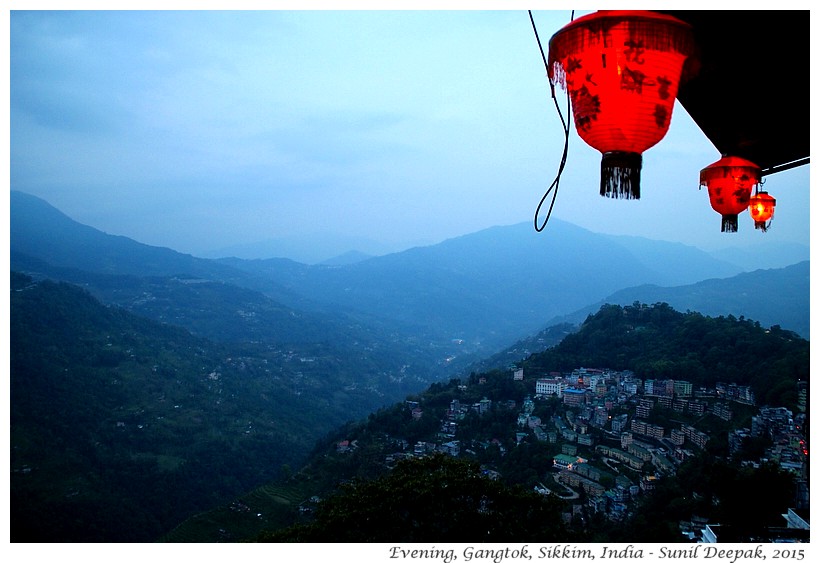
(655, 31)
(731, 166)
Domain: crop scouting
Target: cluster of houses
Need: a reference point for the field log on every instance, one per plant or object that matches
(605, 413)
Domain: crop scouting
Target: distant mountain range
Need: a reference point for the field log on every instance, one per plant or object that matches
(490, 287)
(335, 249)
(771, 297)
(764, 255)
(320, 248)
(484, 290)
(276, 351)
(747, 295)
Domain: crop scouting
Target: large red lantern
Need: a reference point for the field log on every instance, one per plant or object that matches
(761, 208)
(622, 70)
(730, 181)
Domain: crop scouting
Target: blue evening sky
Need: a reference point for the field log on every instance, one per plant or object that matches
(200, 130)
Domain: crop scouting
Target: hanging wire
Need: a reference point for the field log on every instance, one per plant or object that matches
(553, 188)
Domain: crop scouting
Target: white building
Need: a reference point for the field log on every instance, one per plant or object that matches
(549, 387)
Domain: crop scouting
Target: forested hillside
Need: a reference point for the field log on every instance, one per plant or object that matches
(351, 467)
(163, 376)
(771, 297)
(113, 415)
(659, 342)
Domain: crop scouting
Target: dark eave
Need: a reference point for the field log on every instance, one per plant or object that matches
(750, 91)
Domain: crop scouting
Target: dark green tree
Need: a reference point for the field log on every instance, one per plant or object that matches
(432, 499)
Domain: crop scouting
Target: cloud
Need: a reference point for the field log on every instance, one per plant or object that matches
(250, 125)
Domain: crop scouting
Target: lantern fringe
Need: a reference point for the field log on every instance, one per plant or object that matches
(655, 32)
(729, 223)
(763, 225)
(621, 175)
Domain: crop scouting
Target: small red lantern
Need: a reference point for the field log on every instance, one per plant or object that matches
(730, 181)
(761, 208)
(622, 70)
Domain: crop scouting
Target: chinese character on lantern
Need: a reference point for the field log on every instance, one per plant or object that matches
(622, 70)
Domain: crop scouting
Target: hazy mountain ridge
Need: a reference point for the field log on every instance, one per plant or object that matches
(349, 257)
(485, 290)
(771, 297)
(676, 263)
(500, 283)
(320, 248)
(207, 297)
(47, 241)
(358, 335)
(773, 255)
(764, 255)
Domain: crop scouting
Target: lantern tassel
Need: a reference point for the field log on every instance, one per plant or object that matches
(621, 175)
(729, 224)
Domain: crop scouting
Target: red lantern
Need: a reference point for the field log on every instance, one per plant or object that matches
(622, 70)
(730, 181)
(761, 208)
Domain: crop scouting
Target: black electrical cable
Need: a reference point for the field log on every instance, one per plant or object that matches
(554, 186)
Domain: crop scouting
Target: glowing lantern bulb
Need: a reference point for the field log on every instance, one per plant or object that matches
(730, 181)
(761, 208)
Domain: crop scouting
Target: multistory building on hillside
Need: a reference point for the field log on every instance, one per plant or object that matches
(574, 397)
(483, 406)
(452, 448)
(802, 395)
(694, 435)
(736, 438)
(546, 387)
(677, 437)
(630, 387)
(626, 439)
(563, 461)
(682, 388)
(663, 401)
(734, 392)
(680, 405)
(696, 407)
(643, 407)
(639, 451)
(641, 427)
(619, 422)
(600, 417)
(455, 412)
(771, 421)
(722, 411)
(632, 461)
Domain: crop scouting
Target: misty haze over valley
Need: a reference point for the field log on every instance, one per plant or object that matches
(174, 367)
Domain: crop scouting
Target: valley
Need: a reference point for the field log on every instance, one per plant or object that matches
(156, 374)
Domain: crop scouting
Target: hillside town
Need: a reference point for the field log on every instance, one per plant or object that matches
(617, 436)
